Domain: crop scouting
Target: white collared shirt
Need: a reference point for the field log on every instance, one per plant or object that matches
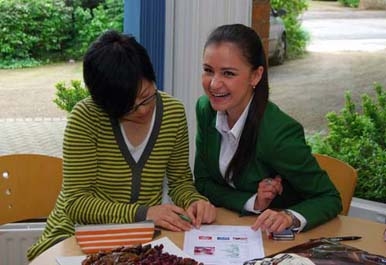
(230, 139)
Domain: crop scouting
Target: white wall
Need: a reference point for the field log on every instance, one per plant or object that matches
(188, 23)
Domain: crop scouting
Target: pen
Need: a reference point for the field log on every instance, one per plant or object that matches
(185, 218)
(343, 238)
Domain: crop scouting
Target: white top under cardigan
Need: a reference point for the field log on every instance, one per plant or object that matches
(136, 151)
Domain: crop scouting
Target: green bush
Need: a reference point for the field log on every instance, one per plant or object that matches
(19, 63)
(359, 138)
(41, 31)
(297, 38)
(68, 96)
(349, 3)
(88, 24)
(32, 31)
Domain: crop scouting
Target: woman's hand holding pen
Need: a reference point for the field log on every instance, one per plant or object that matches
(267, 190)
(168, 216)
(201, 212)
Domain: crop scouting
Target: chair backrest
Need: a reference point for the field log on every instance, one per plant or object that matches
(29, 186)
(342, 175)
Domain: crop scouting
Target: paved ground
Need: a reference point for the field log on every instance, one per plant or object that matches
(40, 136)
(346, 53)
(29, 120)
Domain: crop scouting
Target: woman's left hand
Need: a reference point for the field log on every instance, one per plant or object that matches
(201, 212)
(267, 190)
(272, 221)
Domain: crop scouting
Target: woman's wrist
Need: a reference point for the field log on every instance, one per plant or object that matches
(294, 223)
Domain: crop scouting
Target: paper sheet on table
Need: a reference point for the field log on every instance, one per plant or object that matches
(223, 244)
(169, 247)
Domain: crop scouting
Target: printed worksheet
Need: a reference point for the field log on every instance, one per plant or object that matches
(223, 244)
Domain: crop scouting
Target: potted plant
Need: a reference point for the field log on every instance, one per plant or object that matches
(68, 96)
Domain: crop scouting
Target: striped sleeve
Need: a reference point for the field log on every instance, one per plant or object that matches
(181, 187)
(90, 197)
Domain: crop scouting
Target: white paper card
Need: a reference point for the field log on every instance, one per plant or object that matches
(223, 244)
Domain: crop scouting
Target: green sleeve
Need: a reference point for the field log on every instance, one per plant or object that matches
(285, 150)
(208, 180)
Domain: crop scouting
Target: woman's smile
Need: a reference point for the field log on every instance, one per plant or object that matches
(227, 78)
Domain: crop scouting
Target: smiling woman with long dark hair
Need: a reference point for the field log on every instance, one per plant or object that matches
(251, 157)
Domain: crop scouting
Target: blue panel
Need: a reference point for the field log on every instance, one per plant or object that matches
(152, 32)
(131, 20)
(145, 19)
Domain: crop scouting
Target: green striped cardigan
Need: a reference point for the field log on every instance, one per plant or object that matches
(102, 183)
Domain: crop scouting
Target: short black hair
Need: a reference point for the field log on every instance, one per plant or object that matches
(113, 68)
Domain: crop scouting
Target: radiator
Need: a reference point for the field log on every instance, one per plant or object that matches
(15, 239)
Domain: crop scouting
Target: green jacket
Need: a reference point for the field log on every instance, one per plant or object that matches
(281, 149)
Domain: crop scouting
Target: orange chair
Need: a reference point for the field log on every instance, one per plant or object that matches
(342, 175)
(29, 186)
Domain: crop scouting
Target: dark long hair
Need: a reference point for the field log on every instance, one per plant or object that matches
(251, 47)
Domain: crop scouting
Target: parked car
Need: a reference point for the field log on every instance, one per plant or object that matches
(277, 38)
